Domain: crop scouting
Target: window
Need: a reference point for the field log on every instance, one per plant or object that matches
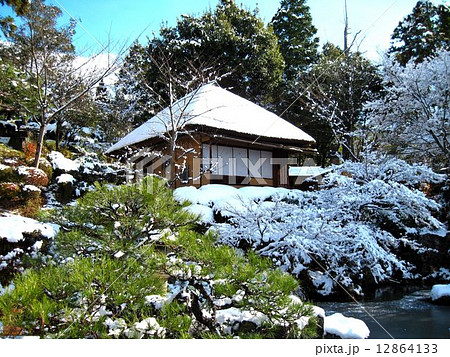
(240, 154)
(236, 161)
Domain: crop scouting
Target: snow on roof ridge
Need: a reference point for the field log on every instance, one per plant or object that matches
(212, 106)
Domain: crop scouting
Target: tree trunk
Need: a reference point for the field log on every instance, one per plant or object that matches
(57, 134)
(172, 167)
(40, 143)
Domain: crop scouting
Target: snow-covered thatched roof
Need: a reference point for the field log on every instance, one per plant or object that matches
(214, 107)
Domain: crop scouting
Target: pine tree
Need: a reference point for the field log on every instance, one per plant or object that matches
(19, 6)
(296, 36)
(422, 33)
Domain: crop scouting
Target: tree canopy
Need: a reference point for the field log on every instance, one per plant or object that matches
(327, 102)
(229, 44)
(412, 120)
(19, 6)
(422, 33)
(296, 36)
(43, 50)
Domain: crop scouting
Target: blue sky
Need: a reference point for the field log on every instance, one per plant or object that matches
(122, 21)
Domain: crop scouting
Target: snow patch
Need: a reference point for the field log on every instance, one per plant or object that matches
(205, 214)
(31, 188)
(65, 178)
(439, 291)
(345, 327)
(13, 228)
(62, 163)
(232, 316)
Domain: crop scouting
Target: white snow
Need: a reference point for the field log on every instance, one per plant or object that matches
(116, 326)
(31, 188)
(233, 315)
(157, 301)
(205, 214)
(37, 245)
(30, 171)
(13, 227)
(183, 194)
(148, 326)
(65, 178)
(215, 107)
(345, 327)
(318, 311)
(119, 254)
(60, 162)
(226, 199)
(51, 128)
(439, 291)
(293, 227)
(309, 171)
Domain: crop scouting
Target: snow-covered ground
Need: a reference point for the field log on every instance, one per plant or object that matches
(228, 200)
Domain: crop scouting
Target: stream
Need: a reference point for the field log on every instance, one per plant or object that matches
(410, 316)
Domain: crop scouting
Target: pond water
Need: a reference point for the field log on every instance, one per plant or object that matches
(411, 316)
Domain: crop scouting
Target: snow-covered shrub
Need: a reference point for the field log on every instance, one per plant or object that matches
(62, 164)
(348, 233)
(22, 240)
(86, 169)
(32, 176)
(383, 191)
(9, 191)
(7, 173)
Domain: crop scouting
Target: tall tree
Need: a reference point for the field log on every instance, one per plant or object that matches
(296, 36)
(422, 33)
(331, 108)
(412, 120)
(229, 44)
(44, 51)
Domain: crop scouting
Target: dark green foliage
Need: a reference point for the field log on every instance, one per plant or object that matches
(15, 91)
(8, 174)
(7, 152)
(422, 33)
(19, 6)
(296, 35)
(65, 299)
(110, 220)
(92, 287)
(229, 44)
